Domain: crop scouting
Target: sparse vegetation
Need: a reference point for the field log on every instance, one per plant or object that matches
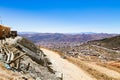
(111, 43)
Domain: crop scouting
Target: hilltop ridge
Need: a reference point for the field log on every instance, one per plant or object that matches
(111, 43)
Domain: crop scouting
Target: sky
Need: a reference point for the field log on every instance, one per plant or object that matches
(61, 16)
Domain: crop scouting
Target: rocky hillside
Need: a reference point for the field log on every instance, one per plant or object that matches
(20, 59)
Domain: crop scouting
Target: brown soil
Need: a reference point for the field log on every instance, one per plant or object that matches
(6, 74)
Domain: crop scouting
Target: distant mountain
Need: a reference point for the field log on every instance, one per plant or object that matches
(58, 37)
(88, 33)
(61, 33)
(111, 43)
(27, 33)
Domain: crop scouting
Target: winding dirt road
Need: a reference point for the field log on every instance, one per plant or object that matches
(69, 70)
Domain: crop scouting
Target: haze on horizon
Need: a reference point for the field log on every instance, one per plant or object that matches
(63, 16)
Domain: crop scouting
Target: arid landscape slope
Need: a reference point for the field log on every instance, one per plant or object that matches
(101, 62)
(67, 60)
(69, 70)
(111, 43)
(79, 69)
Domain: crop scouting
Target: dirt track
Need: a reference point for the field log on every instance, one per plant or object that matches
(69, 70)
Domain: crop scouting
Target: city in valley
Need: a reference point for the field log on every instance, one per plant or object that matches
(60, 40)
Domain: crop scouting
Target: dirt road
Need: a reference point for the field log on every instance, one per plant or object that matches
(69, 70)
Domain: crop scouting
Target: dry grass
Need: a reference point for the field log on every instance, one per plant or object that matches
(93, 72)
(113, 66)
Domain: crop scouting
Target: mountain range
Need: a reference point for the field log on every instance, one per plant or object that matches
(62, 37)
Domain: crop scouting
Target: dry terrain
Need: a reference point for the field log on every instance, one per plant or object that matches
(6, 74)
(78, 69)
(69, 70)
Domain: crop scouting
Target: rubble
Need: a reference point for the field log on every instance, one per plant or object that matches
(21, 55)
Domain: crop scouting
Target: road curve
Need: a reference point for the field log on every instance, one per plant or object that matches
(69, 70)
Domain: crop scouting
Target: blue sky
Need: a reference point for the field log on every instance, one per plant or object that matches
(62, 16)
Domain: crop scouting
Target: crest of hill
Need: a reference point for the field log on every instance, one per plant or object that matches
(111, 43)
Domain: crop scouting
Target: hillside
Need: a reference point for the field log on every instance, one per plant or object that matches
(93, 60)
(20, 59)
(111, 43)
(100, 62)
